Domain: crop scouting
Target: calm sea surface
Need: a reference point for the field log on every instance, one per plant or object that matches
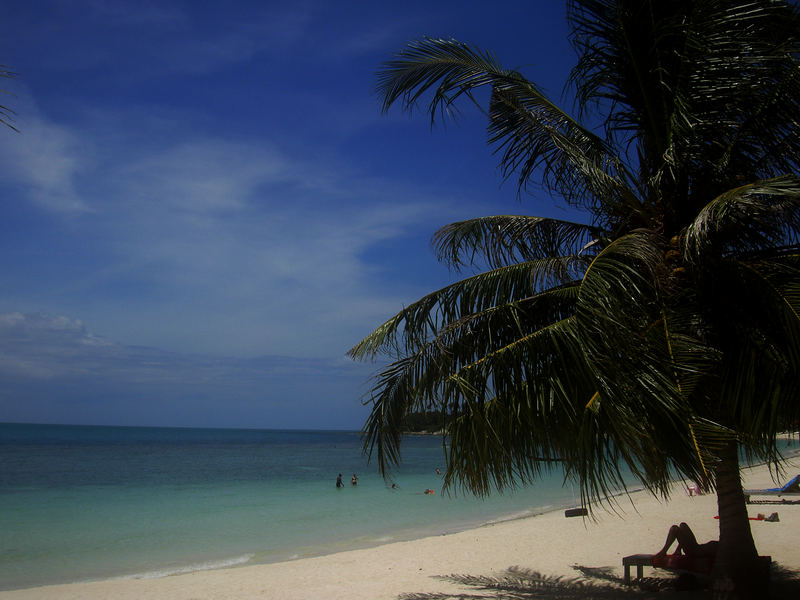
(80, 503)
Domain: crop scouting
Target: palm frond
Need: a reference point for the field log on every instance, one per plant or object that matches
(759, 217)
(447, 68)
(529, 131)
(416, 324)
(705, 93)
(506, 239)
(654, 340)
(439, 374)
(538, 142)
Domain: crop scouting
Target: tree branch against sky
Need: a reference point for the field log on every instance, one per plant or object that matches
(665, 335)
(6, 113)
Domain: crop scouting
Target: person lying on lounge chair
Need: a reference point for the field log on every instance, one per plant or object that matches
(687, 543)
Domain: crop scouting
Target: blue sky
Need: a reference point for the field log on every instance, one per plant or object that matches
(204, 208)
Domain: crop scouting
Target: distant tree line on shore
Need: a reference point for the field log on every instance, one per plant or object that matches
(431, 421)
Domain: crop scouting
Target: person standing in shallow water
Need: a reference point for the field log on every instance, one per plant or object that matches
(339, 481)
(354, 480)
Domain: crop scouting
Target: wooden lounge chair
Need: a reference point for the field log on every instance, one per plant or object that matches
(791, 488)
(679, 563)
(700, 565)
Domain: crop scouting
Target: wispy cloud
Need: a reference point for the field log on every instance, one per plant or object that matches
(44, 162)
(201, 176)
(226, 246)
(177, 41)
(44, 346)
(207, 186)
(76, 376)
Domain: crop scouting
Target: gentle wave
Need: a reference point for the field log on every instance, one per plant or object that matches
(384, 539)
(204, 566)
(524, 514)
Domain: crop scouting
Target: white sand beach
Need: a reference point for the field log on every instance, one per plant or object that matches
(549, 544)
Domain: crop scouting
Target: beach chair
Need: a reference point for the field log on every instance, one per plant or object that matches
(700, 565)
(679, 563)
(791, 488)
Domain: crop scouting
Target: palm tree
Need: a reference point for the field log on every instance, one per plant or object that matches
(663, 334)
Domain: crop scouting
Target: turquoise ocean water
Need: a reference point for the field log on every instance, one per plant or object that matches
(80, 503)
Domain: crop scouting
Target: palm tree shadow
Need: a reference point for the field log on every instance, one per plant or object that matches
(593, 583)
(784, 583)
(523, 584)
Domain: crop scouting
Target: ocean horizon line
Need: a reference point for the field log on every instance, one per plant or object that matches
(196, 427)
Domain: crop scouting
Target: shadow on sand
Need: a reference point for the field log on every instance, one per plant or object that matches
(593, 583)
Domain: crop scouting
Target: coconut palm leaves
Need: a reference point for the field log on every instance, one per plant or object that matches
(700, 92)
(592, 344)
(664, 336)
(526, 128)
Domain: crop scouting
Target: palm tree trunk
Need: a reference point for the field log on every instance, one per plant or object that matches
(737, 573)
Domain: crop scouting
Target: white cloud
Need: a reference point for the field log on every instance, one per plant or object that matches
(54, 369)
(25, 326)
(37, 345)
(221, 245)
(44, 159)
(199, 175)
(41, 345)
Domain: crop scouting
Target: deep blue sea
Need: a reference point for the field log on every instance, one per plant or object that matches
(79, 503)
